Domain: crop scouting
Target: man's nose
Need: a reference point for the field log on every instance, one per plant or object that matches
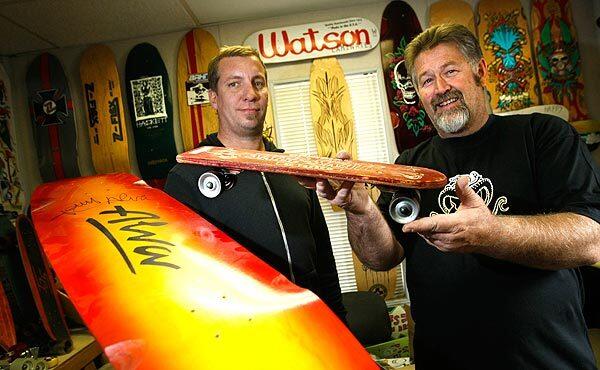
(441, 85)
(250, 92)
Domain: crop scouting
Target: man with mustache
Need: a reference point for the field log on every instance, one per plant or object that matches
(492, 262)
(271, 215)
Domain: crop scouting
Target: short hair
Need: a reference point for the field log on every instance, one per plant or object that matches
(226, 52)
(456, 34)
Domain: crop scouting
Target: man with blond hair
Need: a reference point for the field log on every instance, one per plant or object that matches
(271, 215)
(492, 262)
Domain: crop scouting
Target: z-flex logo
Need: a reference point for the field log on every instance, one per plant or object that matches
(448, 200)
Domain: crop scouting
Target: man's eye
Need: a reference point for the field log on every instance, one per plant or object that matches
(452, 72)
(233, 84)
(427, 81)
(259, 84)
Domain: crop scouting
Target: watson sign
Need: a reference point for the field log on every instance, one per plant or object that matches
(314, 40)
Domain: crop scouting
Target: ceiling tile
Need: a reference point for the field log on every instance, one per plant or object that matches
(76, 22)
(19, 40)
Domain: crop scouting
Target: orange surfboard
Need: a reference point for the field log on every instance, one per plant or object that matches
(197, 118)
(162, 288)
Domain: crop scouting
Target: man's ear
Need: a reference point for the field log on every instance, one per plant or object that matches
(482, 71)
(212, 97)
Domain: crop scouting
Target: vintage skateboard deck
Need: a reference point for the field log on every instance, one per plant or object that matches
(452, 11)
(331, 108)
(52, 117)
(151, 109)
(505, 43)
(188, 296)
(11, 189)
(42, 286)
(399, 25)
(104, 110)
(386, 175)
(554, 109)
(196, 116)
(559, 62)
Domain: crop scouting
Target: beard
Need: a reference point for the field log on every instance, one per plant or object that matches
(454, 120)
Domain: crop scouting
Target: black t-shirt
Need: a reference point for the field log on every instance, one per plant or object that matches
(477, 312)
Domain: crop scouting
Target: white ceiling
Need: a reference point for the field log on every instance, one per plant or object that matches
(30, 25)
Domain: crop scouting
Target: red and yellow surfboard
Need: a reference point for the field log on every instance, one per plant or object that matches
(162, 288)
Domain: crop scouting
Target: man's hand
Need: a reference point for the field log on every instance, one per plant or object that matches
(462, 231)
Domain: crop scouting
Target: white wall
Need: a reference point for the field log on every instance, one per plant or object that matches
(584, 11)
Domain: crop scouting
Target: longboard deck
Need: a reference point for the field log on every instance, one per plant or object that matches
(42, 286)
(151, 109)
(452, 11)
(53, 118)
(188, 296)
(388, 175)
(104, 110)
(11, 189)
(196, 116)
(399, 25)
(559, 62)
(505, 43)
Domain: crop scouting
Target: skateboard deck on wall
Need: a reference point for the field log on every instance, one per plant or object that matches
(553, 109)
(505, 43)
(188, 296)
(151, 109)
(11, 189)
(399, 25)
(452, 11)
(42, 286)
(388, 175)
(104, 110)
(196, 116)
(559, 62)
(52, 117)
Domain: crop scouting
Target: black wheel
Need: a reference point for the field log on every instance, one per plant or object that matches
(404, 207)
(211, 184)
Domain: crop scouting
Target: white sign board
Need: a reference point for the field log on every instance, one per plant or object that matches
(315, 40)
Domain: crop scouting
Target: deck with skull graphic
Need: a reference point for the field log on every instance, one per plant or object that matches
(505, 43)
(151, 110)
(559, 61)
(399, 25)
(53, 119)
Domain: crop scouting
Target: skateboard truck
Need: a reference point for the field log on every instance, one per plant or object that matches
(212, 183)
(404, 206)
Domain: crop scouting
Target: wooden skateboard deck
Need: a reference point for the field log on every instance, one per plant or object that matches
(11, 189)
(331, 108)
(162, 288)
(399, 25)
(387, 175)
(559, 62)
(151, 109)
(104, 110)
(196, 116)
(42, 286)
(52, 117)
(553, 109)
(505, 43)
(452, 11)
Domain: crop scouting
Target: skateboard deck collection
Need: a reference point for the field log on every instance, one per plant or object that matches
(399, 25)
(559, 62)
(52, 117)
(196, 116)
(104, 110)
(151, 109)
(188, 296)
(11, 189)
(505, 43)
(452, 11)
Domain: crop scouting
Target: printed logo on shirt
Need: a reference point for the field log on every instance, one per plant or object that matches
(448, 200)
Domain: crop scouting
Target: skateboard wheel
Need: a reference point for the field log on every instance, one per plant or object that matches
(210, 184)
(404, 207)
